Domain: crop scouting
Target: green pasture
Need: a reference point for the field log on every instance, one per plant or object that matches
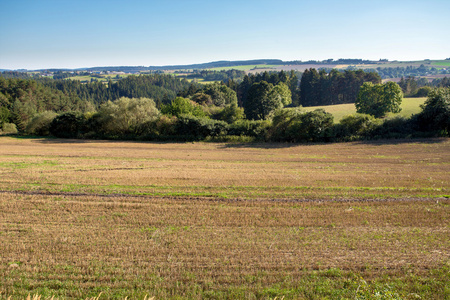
(409, 106)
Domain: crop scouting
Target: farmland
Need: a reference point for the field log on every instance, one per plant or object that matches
(224, 221)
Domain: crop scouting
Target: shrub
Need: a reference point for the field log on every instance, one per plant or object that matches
(182, 106)
(398, 127)
(9, 128)
(353, 127)
(312, 126)
(435, 115)
(257, 129)
(423, 91)
(281, 123)
(40, 124)
(199, 128)
(294, 125)
(68, 125)
(126, 116)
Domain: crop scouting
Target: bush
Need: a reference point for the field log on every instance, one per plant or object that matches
(126, 116)
(68, 125)
(281, 123)
(353, 127)
(40, 124)
(199, 128)
(313, 126)
(423, 91)
(182, 106)
(435, 115)
(294, 125)
(398, 127)
(9, 128)
(257, 129)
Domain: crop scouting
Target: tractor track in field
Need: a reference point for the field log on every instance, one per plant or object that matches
(215, 199)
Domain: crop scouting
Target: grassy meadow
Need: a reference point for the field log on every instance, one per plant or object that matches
(81, 219)
(409, 107)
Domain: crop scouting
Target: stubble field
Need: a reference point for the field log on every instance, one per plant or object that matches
(197, 221)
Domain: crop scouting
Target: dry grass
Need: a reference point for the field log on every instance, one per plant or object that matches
(336, 171)
(239, 231)
(79, 245)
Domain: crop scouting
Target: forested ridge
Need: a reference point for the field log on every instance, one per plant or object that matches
(244, 107)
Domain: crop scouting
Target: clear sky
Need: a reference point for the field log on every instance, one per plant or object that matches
(38, 34)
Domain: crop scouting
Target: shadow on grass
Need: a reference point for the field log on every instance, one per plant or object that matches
(237, 145)
(380, 142)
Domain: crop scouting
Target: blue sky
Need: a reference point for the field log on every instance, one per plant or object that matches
(85, 33)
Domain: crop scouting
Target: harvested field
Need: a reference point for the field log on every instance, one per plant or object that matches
(378, 170)
(216, 221)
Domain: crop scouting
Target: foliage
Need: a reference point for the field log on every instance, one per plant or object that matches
(282, 92)
(220, 94)
(162, 88)
(435, 113)
(320, 88)
(126, 115)
(198, 128)
(423, 91)
(212, 75)
(68, 125)
(230, 113)
(23, 98)
(282, 123)
(354, 127)
(40, 124)
(312, 126)
(9, 128)
(257, 129)
(4, 115)
(408, 71)
(294, 125)
(379, 99)
(202, 98)
(274, 78)
(182, 106)
(262, 100)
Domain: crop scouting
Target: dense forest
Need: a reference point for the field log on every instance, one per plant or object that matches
(265, 106)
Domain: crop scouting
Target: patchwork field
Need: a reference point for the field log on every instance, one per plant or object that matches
(80, 219)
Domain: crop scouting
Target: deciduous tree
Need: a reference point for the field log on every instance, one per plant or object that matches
(379, 99)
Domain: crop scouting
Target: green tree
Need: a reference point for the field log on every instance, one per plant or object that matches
(126, 115)
(262, 101)
(4, 115)
(221, 95)
(435, 113)
(282, 91)
(68, 125)
(379, 99)
(40, 124)
(182, 106)
(231, 113)
(295, 125)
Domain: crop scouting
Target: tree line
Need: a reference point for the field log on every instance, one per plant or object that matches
(264, 106)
